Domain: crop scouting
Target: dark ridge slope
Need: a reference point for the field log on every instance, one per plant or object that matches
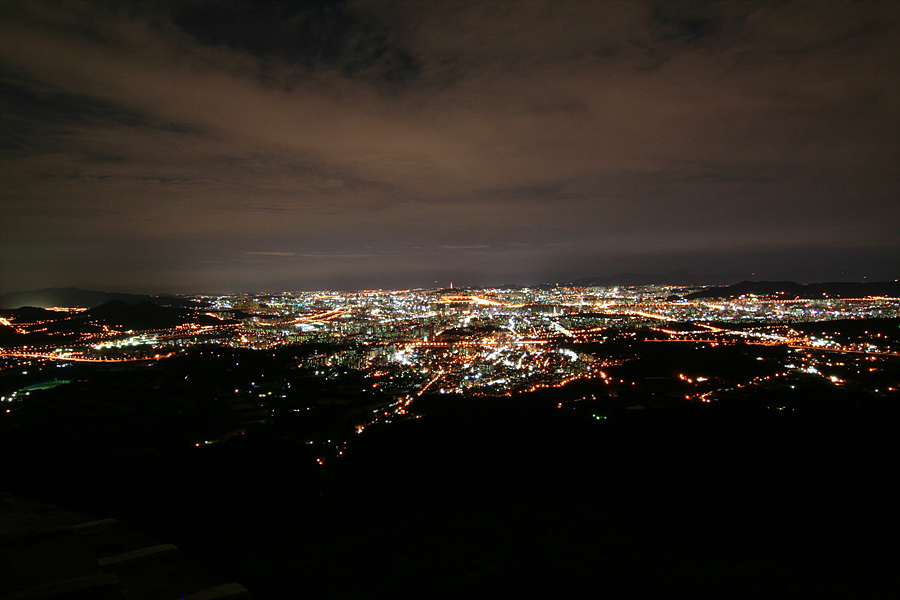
(791, 290)
(76, 298)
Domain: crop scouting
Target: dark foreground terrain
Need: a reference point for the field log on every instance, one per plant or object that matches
(500, 496)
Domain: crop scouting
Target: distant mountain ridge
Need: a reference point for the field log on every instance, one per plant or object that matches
(76, 298)
(672, 278)
(793, 290)
(36, 326)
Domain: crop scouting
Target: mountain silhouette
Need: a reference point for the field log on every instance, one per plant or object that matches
(790, 290)
(76, 298)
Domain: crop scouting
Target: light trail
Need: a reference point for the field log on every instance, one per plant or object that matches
(649, 315)
(70, 358)
(325, 316)
(563, 329)
(430, 383)
(8, 323)
(477, 300)
(786, 344)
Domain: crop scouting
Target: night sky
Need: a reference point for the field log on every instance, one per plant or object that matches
(193, 146)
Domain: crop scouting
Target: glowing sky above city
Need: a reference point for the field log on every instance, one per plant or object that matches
(193, 146)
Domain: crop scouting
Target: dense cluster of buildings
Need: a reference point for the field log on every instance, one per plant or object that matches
(493, 341)
(504, 341)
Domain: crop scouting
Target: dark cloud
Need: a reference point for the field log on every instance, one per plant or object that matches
(314, 34)
(162, 145)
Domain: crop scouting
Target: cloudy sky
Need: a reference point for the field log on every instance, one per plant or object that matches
(192, 145)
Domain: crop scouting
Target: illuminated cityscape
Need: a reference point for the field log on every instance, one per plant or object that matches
(399, 299)
(330, 373)
(327, 375)
(501, 342)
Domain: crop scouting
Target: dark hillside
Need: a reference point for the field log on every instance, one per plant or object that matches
(789, 290)
(76, 298)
